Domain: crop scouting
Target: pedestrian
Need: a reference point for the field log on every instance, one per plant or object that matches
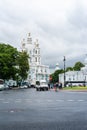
(49, 85)
(56, 87)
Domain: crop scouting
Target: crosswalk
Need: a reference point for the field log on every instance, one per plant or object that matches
(6, 101)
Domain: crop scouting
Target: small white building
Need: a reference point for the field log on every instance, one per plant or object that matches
(37, 70)
(75, 77)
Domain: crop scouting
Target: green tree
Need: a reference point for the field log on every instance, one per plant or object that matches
(23, 64)
(78, 66)
(7, 61)
(13, 64)
(55, 75)
(69, 68)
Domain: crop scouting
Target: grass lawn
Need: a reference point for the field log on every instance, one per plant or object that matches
(75, 88)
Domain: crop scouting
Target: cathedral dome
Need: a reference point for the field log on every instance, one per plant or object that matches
(57, 67)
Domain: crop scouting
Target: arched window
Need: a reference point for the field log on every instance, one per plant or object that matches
(36, 51)
(35, 59)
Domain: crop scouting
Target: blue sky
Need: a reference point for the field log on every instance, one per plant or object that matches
(59, 25)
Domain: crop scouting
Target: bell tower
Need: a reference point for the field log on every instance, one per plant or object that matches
(29, 39)
(37, 56)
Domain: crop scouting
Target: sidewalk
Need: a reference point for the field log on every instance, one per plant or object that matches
(82, 90)
(68, 90)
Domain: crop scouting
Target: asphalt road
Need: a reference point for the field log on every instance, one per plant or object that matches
(28, 109)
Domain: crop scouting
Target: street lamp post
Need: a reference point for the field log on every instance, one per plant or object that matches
(64, 72)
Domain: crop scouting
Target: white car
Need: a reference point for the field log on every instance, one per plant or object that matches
(23, 86)
(42, 85)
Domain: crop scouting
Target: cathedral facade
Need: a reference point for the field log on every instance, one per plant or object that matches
(37, 71)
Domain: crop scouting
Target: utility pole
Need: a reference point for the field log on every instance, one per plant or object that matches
(64, 72)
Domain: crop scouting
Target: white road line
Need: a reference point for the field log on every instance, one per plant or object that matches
(49, 100)
(37, 100)
(40, 101)
(17, 101)
(5, 102)
(70, 100)
(60, 100)
(29, 101)
(12, 111)
(80, 100)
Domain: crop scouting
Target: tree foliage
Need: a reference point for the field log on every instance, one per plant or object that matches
(55, 75)
(69, 68)
(78, 66)
(23, 65)
(9, 59)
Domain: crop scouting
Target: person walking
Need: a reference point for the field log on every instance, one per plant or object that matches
(56, 87)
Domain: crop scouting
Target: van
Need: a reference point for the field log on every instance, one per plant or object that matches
(42, 85)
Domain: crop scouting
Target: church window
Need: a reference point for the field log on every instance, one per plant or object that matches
(36, 51)
(35, 59)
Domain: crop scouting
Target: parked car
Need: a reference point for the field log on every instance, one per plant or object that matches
(27, 84)
(24, 85)
(6, 87)
(2, 84)
(42, 85)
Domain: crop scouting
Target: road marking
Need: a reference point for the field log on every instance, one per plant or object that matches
(40, 101)
(70, 100)
(17, 101)
(80, 100)
(12, 111)
(27, 99)
(49, 100)
(5, 102)
(60, 100)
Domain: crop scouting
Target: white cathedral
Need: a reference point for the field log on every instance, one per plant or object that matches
(37, 71)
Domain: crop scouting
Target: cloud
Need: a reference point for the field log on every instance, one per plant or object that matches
(60, 26)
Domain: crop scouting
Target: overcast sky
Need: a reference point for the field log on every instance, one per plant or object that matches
(59, 25)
